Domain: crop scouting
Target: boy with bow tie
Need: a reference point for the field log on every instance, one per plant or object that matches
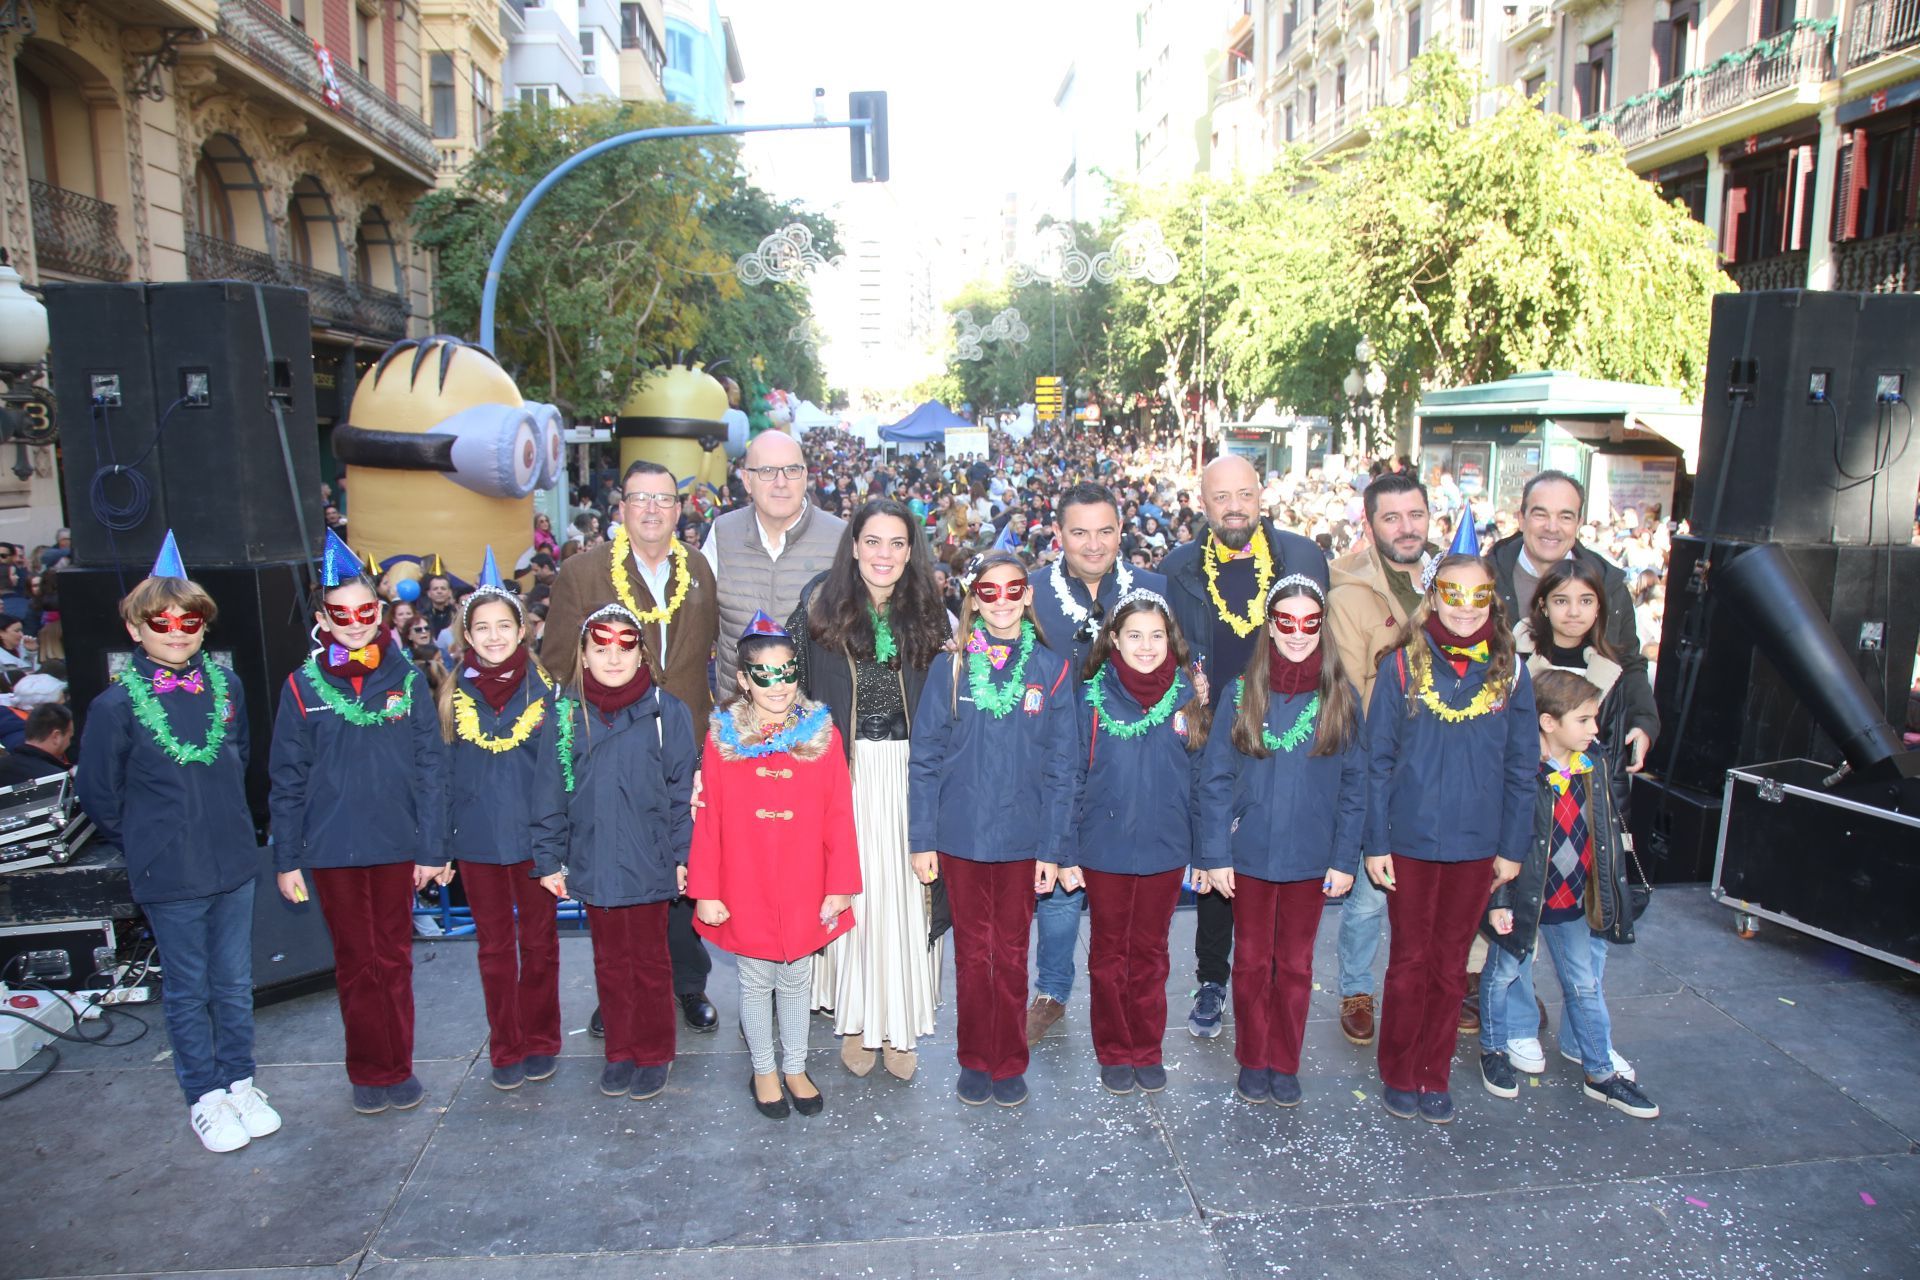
(163, 769)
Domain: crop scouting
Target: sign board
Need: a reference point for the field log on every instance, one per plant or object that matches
(966, 442)
(1624, 481)
(1049, 398)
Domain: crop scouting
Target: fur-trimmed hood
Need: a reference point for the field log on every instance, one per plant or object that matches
(734, 737)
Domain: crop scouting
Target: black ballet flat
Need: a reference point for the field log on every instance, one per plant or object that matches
(808, 1106)
(775, 1110)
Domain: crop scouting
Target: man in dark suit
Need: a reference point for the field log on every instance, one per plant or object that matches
(1218, 586)
(44, 753)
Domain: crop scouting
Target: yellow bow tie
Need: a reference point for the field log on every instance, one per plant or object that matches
(1561, 779)
(1224, 553)
(1472, 652)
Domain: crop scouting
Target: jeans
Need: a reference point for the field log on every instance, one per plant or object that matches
(1056, 918)
(1360, 935)
(1507, 1011)
(1580, 962)
(206, 950)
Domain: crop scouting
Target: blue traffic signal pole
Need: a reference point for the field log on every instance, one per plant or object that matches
(561, 170)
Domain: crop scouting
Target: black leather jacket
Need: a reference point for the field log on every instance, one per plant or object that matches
(1609, 913)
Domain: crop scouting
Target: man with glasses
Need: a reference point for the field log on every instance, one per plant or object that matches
(672, 592)
(764, 553)
(1072, 600)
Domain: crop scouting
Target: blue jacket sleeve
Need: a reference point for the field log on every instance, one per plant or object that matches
(932, 736)
(1085, 730)
(1350, 822)
(290, 757)
(682, 751)
(548, 804)
(102, 777)
(1218, 765)
(1521, 768)
(430, 769)
(1059, 725)
(1386, 721)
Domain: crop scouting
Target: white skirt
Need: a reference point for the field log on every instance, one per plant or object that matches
(880, 979)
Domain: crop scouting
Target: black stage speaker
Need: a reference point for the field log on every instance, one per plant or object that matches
(1742, 711)
(263, 627)
(292, 950)
(1675, 830)
(228, 366)
(1819, 384)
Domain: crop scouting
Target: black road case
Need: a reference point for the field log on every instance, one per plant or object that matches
(1841, 864)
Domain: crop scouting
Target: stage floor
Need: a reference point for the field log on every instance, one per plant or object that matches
(1786, 1069)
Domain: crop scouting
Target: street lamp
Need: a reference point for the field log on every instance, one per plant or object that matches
(26, 409)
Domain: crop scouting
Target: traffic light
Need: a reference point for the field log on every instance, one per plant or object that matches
(869, 144)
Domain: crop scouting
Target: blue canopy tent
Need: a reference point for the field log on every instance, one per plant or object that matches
(924, 426)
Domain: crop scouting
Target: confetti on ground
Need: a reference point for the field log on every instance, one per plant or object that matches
(1783, 1000)
(1867, 1200)
(1533, 1082)
(1360, 1094)
(1697, 1203)
(1317, 987)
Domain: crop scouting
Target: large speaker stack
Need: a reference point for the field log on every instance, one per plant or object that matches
(205, 390)
(1807, 442)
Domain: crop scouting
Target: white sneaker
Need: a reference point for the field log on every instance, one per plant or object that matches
(251, 1106)
(217, 1124)
(1621, 1067)
(1527, 1055)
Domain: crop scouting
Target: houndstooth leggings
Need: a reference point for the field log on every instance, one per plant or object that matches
(759, 980)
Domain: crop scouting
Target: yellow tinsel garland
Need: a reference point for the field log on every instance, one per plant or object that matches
(622, 551)
(1489, 698)
(1263, 578)
(466, 722)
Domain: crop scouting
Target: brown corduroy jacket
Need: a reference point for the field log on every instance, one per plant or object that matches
(585, 583)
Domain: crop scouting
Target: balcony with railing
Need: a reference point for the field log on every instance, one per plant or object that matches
(333, 301)
(1800, 55)
(77, 234)
(271, 42)
(1880, 27)
(1884, 264)
(1782, 271)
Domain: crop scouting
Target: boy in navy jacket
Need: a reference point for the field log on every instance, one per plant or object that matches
(163, 769)
(359, 799)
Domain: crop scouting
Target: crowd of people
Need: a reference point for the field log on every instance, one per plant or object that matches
(990, 698)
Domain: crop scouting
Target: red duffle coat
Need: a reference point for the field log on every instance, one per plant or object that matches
(774, 836)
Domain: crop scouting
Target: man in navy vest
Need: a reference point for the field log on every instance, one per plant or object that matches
(1072, 601)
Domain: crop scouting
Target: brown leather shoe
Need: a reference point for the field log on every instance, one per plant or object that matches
(1470, 1015)
(1041, 1015)
(1356, 1019)
(855, 1056)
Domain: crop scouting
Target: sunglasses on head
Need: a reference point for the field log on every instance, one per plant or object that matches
(1455, 596)
(767, 674)
(342, 616)
(1306, 624)
(186, 623)
(607, 634)
(989, 592)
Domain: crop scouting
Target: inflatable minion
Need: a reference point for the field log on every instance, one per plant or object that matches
(677, 418)
(441, 451)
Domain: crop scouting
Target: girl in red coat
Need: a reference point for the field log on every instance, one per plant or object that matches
(774, 865)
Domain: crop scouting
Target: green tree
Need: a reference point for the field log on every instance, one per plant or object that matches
(768, 319)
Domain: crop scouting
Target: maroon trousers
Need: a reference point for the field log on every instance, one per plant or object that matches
(519, 955)
(369, 912)
(992, 906)
(1127, 963)
(1274, 924)
(633, 973)
(1433, 910)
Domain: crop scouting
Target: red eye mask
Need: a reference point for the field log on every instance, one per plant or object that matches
(363, 615)
(604, 634)
(186, 624)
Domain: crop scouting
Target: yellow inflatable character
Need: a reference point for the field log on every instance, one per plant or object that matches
(678, 418)
(442, 452)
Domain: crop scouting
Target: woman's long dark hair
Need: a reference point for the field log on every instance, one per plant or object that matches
(1199, 715)
(1574, 570)
(837, 616)
(1338, 722)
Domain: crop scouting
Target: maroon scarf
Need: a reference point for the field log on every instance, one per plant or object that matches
(609, 702)
(498, 684)
(1290, 678)
(1147, 687)
(1447, 640)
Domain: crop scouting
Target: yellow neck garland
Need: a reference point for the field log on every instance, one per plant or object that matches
(1263, 578)
(622, 553)
(466, 723)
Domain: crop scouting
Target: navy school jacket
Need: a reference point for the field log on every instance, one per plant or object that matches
(629, 819)
(1133, 811)
(348, 795)
(1060, 630)
(1450, 792)
(185, 828)
(505, 804)
(1292, 816)
(987, 789)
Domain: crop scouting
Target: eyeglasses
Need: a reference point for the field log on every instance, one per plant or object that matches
(1090, 627)
(989, 592)
(626, 637)
(1455, 596)
(360, 614)
(767, 475)
(659, 501)
(766, 675)
(1305, 624)
(186, 624)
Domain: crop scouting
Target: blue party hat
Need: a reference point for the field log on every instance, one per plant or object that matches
(1466, 539)
(338, 564)
(763, 627)
(167, 563)
(490, 571)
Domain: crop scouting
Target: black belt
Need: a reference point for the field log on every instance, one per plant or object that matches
(887, 728)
